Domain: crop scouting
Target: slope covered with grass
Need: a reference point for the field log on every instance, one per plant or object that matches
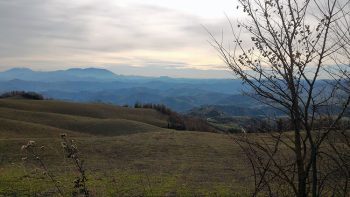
(18, 129)
(79, 123)
(101, 111)
(126, 152)
(28, 116)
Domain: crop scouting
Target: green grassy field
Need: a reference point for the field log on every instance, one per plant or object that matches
(127, 152)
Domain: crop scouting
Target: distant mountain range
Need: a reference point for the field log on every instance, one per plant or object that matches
(198, 97)
(205, 98)
(74, 74)
(101, 85)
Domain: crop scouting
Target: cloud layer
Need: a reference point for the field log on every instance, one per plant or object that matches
(56, 34)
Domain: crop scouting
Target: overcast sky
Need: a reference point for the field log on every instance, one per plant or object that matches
(143, 37)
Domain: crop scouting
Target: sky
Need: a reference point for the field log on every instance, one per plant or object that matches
(144, 37)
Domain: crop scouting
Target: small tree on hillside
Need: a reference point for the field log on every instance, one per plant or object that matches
(292, 46)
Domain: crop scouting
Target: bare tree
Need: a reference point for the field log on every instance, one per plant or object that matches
(290, 64)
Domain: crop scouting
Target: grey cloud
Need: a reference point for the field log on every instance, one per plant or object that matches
(45, 33)
(32, 27)
(41, 24)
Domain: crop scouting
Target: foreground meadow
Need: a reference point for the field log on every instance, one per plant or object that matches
(127, 152)
(146, 164)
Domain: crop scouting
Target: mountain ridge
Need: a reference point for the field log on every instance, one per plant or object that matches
(101, 85)
(72, 74)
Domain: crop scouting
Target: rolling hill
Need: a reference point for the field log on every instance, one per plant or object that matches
(10, 129)
(127, 152)
(97, 119)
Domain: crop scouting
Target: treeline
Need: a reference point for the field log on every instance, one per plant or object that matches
(22, 94)
(178, 121)
(159, 107)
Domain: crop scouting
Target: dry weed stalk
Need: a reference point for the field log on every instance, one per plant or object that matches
(71, 152)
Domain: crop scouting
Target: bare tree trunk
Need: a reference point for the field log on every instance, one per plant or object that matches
(314, 171)
(299, 159)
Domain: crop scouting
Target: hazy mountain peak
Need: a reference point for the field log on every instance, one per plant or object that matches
(92, 72)
(89, 70)
(19, 70)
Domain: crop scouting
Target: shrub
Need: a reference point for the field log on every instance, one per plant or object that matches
(23, 94)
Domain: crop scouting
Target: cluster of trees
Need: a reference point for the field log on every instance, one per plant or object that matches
(178, 121)
(197, 124)
(22, 94)
(159, 107)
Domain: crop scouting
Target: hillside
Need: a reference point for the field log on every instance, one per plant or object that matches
(98, 119)
(126, 151)
(10, 129)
